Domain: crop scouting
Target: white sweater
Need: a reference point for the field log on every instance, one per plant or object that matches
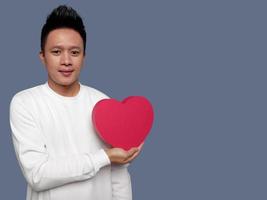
(58, 150)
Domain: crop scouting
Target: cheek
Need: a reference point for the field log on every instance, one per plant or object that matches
(79, 63)
(52, 62)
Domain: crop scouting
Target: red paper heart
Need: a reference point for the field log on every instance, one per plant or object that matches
(123, 124)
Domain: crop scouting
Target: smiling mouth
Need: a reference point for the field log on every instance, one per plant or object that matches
(66, 72)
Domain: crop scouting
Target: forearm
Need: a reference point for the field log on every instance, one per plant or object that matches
(43, 172)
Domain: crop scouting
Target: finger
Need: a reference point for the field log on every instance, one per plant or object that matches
(135, 155)
(141, 145)
(132, 157)
(132, 151)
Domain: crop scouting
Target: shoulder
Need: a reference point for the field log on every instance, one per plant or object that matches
(26, 96)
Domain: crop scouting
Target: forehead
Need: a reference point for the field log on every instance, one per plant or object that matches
(64, 37)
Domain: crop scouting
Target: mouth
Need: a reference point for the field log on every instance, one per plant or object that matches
(66, 73)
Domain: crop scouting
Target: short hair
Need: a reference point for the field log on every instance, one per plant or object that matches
(63, 17)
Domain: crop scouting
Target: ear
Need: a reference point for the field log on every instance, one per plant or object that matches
(42, 57)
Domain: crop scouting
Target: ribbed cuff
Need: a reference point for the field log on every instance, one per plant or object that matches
(96, 160)
(100, 159)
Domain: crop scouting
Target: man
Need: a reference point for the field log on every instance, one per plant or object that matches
(59, 153)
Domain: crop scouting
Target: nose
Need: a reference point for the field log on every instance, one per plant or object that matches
(65, 59)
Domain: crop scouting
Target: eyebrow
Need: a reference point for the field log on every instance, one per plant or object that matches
(61, 47)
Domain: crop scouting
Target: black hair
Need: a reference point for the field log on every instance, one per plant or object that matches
(63, 17)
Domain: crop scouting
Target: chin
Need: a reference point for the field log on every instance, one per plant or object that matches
(66, 83)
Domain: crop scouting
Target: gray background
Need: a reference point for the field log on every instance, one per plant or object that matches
(201, 63)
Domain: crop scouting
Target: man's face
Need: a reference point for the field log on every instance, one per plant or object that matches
(63, 57)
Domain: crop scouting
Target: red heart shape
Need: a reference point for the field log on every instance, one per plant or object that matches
(123, 124)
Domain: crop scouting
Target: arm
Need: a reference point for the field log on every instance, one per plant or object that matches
(42, 171)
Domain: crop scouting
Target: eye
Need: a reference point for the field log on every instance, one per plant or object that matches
(56, 52)
(75, 52)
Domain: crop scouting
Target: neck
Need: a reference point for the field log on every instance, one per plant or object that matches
(65, 90)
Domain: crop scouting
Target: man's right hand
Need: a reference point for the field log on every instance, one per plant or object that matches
(120, 156)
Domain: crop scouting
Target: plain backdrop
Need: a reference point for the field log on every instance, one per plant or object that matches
(202, 64)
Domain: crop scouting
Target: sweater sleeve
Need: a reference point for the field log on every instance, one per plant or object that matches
(121, 182)
(41, 171)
